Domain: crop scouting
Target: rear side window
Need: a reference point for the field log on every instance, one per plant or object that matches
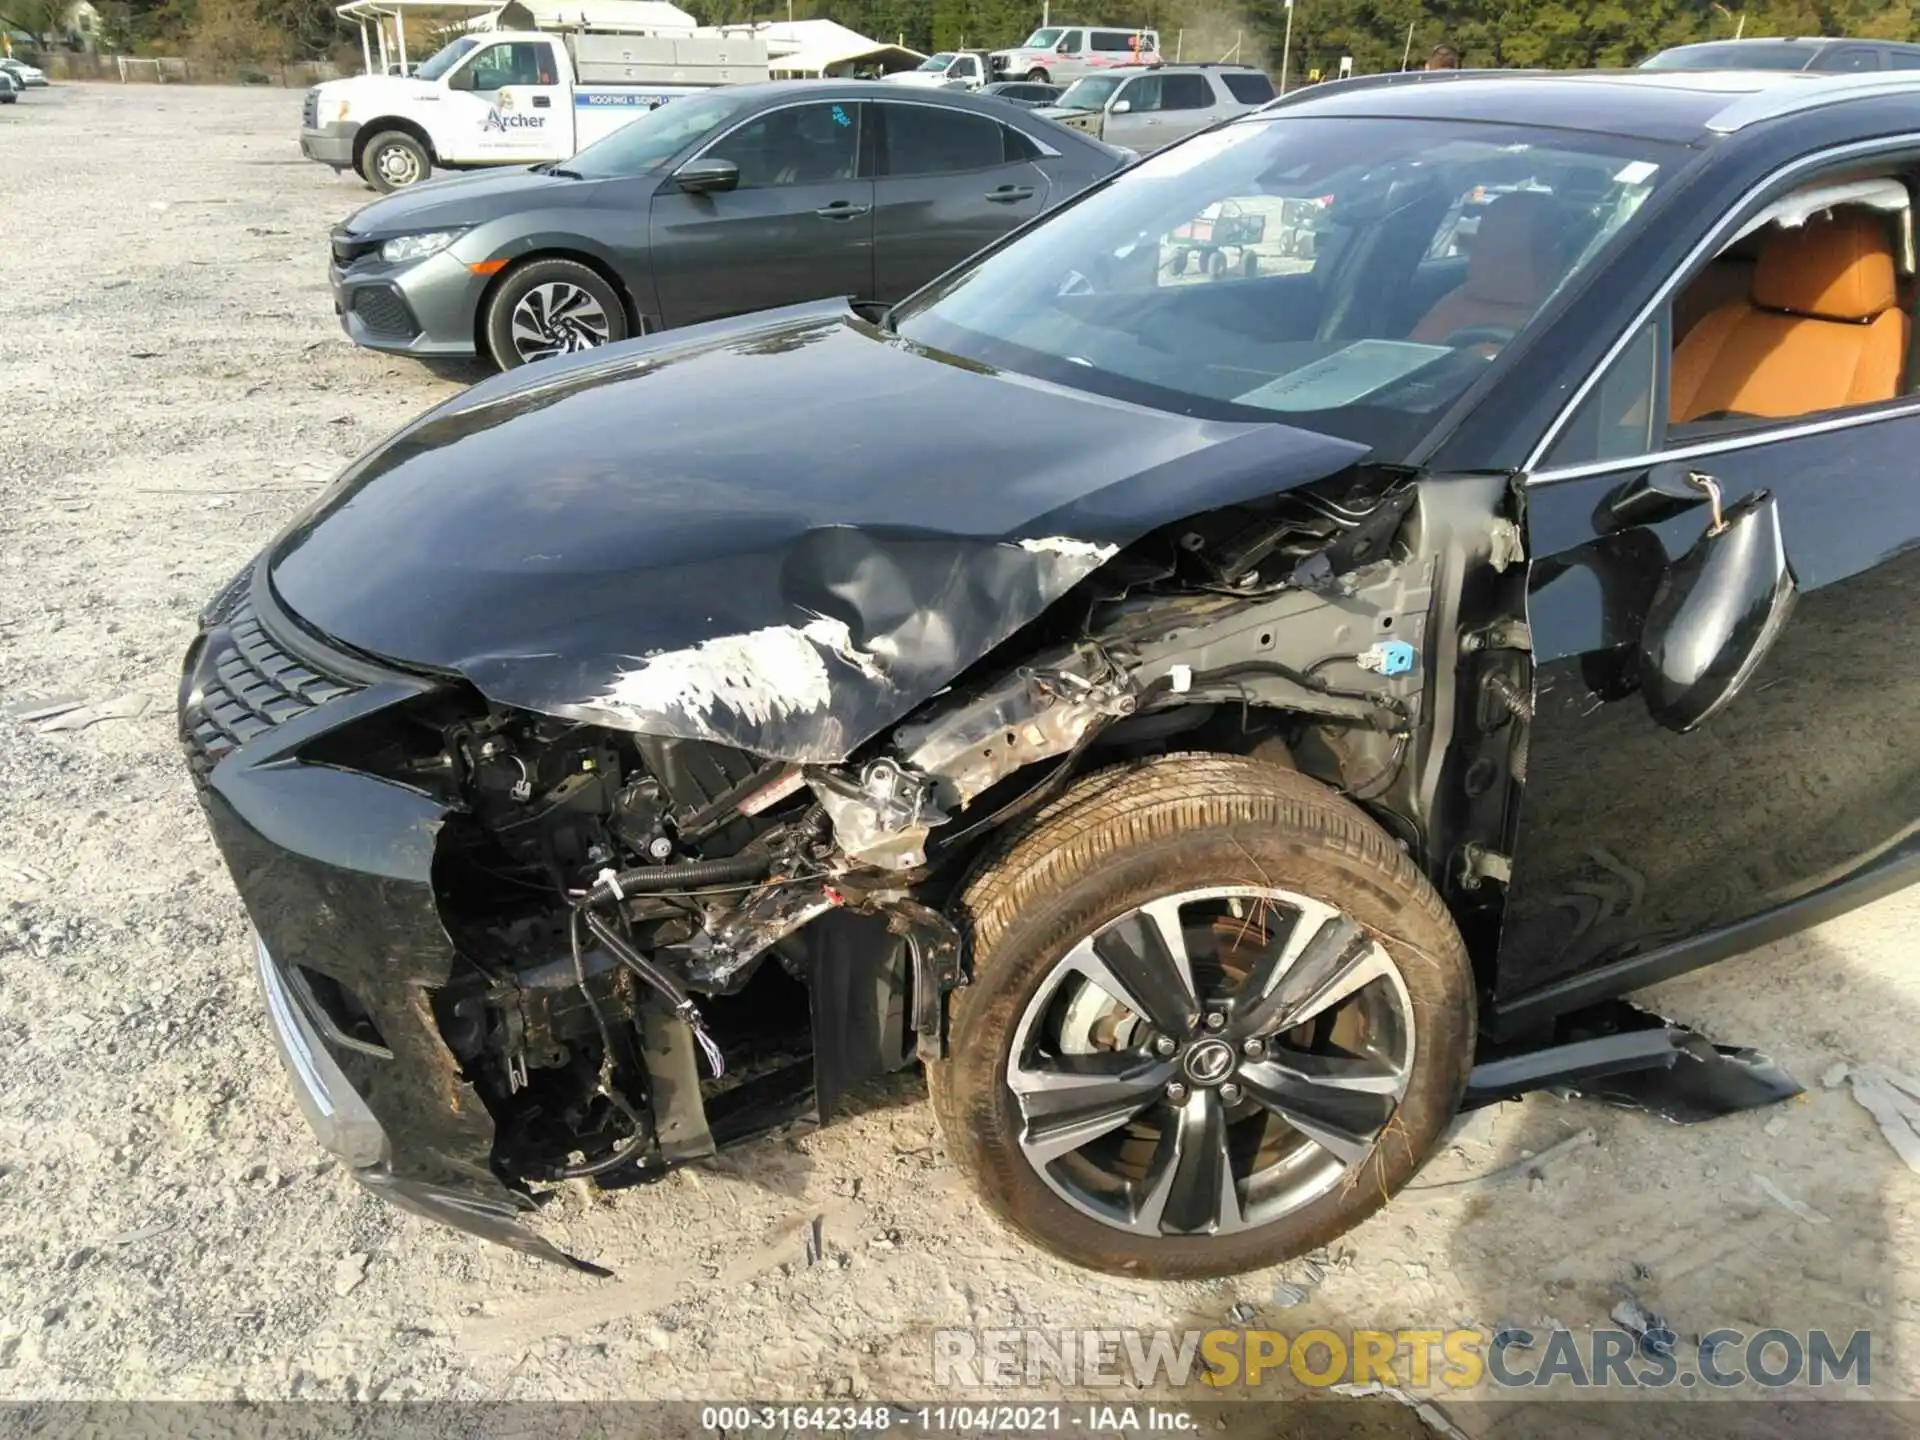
(1902, 59)
(1184, 92)
(1019, 147)
(1248, 87)
(923, 140)
(1112, 40)
(1849, 58)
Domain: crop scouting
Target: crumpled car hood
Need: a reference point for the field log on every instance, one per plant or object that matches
(782, 533)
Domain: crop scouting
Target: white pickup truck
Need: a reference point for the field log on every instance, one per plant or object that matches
(511, 97)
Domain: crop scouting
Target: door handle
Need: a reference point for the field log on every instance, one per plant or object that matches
(842, 210)
(1010, 194)
(543, 102)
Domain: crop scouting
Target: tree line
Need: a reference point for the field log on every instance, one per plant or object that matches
(1377, 34)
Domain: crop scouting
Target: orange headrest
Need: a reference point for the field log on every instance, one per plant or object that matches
(1512, 259)
(1837, 269)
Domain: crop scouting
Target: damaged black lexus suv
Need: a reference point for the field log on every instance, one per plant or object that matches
(1201, 711)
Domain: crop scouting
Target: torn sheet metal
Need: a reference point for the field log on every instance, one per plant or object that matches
(755, 578)
(1620, 1054)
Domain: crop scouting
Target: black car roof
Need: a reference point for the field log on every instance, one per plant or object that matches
(1673, 105)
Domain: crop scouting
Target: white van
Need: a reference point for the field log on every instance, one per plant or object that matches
(1061, 54)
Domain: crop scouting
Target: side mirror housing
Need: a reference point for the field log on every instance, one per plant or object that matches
(1121, 107)
(705, 177)
(1716, 613)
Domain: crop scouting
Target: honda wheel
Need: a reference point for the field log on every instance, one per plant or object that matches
(546, 308)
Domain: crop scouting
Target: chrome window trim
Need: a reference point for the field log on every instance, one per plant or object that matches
(1705, 249)
(1744, 440)
(1047, 152)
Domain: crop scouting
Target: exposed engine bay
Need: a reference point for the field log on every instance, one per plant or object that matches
(640, 918)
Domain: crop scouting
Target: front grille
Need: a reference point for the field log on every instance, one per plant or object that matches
(310, 109)
(248, 685)
(348, 248)
(381, 310)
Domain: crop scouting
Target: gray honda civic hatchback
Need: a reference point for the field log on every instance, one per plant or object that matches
(733, 201)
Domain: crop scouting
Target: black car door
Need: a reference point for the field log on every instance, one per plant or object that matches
(1640, 848)
(799, 225)
(949, 182)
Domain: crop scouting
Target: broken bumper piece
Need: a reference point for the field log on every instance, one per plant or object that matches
(345, 1126)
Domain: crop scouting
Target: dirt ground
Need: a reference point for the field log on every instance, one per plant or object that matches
(173, 387)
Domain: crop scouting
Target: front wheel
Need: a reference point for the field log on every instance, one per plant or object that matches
(1217, 1017)
(551, 307)
(393, 160)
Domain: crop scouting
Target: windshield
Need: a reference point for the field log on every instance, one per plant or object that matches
(1040, 40)
(1092, 93)
(936, 62)
(655, 138)
(445, 59)
(1352, 276)
(1733, 56)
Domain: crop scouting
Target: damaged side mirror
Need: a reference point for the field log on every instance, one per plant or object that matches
(1717, 611)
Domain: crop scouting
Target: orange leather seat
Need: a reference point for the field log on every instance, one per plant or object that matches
(1823, 328)
(1514, 262)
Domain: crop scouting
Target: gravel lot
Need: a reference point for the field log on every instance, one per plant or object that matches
(173, 387)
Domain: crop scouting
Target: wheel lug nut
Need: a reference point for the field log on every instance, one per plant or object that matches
(1216, 1020)
(1164, 1045)
(1254, 1048)
(1176, 1092)
(1230, 1093)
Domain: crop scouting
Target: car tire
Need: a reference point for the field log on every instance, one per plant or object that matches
(1174, 826)
(1217, 264)
(394, 160)
(571, 302)
(1039, 77)
(1249, 264)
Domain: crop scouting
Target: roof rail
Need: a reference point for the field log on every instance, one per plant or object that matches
(1395, 77)
(1810, 91)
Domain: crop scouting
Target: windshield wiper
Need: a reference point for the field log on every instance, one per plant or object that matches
(562, 172)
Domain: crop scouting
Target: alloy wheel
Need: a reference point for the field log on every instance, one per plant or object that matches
(1211, 1061)
(558, 318)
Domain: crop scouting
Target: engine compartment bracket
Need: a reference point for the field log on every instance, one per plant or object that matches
(933, 947)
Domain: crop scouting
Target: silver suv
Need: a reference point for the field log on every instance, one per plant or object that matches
(1145, 107)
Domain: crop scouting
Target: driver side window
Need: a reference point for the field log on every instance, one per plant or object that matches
(1139, 96)
(794, 145)
(500, 65)
(1808, 311)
